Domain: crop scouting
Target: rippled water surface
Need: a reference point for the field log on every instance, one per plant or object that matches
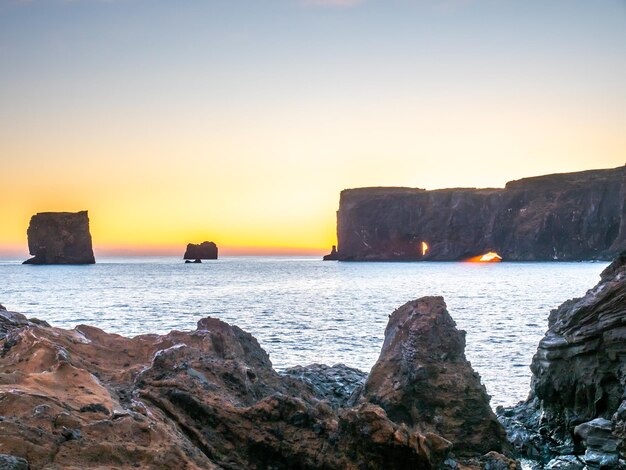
(303, 310)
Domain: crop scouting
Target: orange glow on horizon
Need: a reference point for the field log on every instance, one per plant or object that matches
(424, 248)
(490, 257)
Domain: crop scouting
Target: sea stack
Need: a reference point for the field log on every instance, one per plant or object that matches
(204, 250)
(60, 238)
(333, 255)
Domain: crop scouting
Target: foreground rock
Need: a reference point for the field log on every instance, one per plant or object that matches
(211, 399)
(577, 401)
(60, 238)
(204, 250)
(423, 379)
(573, 216)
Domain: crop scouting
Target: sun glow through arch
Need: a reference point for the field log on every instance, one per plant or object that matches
(489, 257)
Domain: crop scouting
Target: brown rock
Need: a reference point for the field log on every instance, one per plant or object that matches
(210, 398)
(60, 238)
(423, 379)
(204, 250)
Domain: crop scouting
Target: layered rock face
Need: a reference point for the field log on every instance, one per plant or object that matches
(204, 250)
(577, 402)
(211, 399)
(573, 216)
(60, 238)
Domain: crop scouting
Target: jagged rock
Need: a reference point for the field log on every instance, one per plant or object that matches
(60, 238)
(2, 307)
(337, 384)
(579, 377)
(204, 250)
(12, 320)
(423, 379)
(572, 216)
(333, 255)
(11, 462)
(210, 398)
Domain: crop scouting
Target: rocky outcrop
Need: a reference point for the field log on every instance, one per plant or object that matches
(211, 399)
(423, 379)
(60, 238)
(572, 216)
(333, 255)
(577, 401)
(204, 250)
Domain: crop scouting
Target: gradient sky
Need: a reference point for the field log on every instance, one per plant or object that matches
(241, 121)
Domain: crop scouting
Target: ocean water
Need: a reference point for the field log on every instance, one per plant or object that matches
(303, 310)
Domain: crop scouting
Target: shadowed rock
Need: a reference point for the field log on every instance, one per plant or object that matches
(423, 379)
(204, 250)
(572, 216)
(60, 238)
(333, 255)
(210, 398)
(576, 403)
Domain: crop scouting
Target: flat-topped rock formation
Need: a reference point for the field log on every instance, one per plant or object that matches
(210, 399)
(571, 216)
(204, 250)
(577, 402)
(60, 238)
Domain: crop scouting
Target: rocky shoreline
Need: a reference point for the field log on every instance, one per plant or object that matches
(210, 398)
(575, 416)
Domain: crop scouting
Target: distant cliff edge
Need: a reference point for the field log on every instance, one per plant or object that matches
(568, 217)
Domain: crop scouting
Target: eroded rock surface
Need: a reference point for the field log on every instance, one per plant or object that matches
(576, 404)
(573, 216)
(60, 238)
(210, 398)
(204, 250)
(423, 379)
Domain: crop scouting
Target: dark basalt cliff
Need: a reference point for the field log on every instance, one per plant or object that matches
(577, 403)
(210, 399)
(60, 238)
(570, 216)
(204, 250)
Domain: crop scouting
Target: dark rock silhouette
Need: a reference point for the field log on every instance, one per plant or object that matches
(577, 403)
(60, 238)
(210, 399)
(333, 255)
(570, 216)
(204, 250)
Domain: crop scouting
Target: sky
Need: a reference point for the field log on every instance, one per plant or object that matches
(240, 121)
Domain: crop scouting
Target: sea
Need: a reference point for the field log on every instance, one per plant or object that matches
(303, 310)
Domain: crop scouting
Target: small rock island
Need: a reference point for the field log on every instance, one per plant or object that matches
(198, 252)
(60, 238)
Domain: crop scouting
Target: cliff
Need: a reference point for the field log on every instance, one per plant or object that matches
(210, 398)
(60, 238)
(204, 250)
(577, 402)
(572, 216)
